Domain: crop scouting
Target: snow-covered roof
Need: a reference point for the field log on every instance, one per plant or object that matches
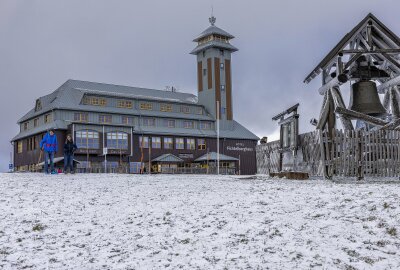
(214, 156)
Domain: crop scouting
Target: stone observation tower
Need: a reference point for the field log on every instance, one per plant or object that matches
(214, 78)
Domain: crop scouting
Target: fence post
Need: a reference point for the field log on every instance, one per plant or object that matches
(360, 169)
(323, 156)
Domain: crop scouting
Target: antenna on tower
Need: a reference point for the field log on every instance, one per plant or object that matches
(212, 19)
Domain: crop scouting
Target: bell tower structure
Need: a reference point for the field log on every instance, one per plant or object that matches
(214, 80)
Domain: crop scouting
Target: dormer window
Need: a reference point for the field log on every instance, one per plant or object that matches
(38, 105)
(95, 101)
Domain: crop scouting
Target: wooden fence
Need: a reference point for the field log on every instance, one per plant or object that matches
(345, 153)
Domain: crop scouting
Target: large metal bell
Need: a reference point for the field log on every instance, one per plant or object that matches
(364, 98)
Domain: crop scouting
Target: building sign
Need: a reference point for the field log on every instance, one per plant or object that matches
(240, 147)
(87, 151)
(185, 156)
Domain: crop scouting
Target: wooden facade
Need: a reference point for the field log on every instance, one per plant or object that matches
(244, 150)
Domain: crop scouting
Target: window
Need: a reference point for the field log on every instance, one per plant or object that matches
(204, 72)
(127, 120)
(143, 142)
(222, 87)
(201, 144)
(179, 143)
(188, 124)
(222, 65)
(105, 118)
(185, 109)
(19, 147)
(155, 142)
(190, 144)
(170, 123)
(81, 117)
(205, 125)
(26, 126)
(166, 107)
(35, 122)
(117, 140)
(95, 101)
(124, 104)
(32, 143)
(38, 105)
(47, 118)
(221, 52)
(146, 106)
(204, 52)
(88, 139)
(168, 143)
(149, 122)
(223, 110)
(199, 110)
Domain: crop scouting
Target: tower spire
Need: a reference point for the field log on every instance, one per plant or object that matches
(212, 19)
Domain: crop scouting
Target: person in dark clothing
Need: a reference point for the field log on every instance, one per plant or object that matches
(49, 145)
(69, 149)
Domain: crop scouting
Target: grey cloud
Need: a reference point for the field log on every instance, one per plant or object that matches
(146, 43)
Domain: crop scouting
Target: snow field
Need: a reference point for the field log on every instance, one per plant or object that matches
(196, 222)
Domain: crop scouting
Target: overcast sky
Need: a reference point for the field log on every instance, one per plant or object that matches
(43, 43)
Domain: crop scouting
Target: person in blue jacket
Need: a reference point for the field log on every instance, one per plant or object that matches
(49, 145)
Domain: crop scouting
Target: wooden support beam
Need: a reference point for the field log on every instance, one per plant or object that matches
(386, 100)
(392, 82)
(338, 100)
(392, 125)
(323, 118)
(335, 82)
(357, 115)
(352, 60)
(394, 102)
(392, 60)
(391, 51)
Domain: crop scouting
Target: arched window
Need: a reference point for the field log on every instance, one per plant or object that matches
(88, 139)
(117, 140)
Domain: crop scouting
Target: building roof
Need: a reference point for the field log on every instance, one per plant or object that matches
(235, 131)
(58, 124)
(213, 30)
(346, 39)
(168, 158)
(214, 44)
(69, 96)
(214, 156)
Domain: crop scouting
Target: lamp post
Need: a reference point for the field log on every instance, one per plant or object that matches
(217, 137)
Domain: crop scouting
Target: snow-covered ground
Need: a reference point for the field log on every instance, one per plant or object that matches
(196, 222)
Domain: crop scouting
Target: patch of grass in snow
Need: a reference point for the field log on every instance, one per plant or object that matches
(349, 267)
(382, 243)
(386, 205)
(381, 224)
(4, 251)
(392, 231)
(184, 241)
(38, 227)
(368, 260)
(351, 253)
